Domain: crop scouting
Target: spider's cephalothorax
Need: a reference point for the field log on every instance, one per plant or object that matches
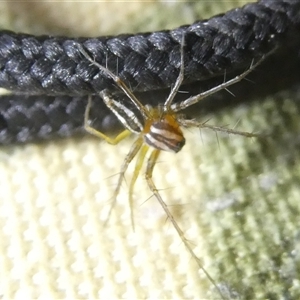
(158, 128)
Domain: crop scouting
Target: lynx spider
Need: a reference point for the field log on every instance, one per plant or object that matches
(160, 131)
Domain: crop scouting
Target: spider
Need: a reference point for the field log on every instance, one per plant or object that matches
(159, 130)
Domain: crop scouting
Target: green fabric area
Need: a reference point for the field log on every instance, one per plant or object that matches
(236, 199)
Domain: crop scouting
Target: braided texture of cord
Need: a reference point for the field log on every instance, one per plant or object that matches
(52, 78)
(24, 118)
(54, 65)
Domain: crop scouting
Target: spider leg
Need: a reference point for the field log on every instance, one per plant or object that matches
(179, 80)
(149, 170)
(139, 164)
(98, 133)
(194, 123)
(129, 157)
(195, 99)
(117, 81)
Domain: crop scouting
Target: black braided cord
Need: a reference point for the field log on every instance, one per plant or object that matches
(51, 79)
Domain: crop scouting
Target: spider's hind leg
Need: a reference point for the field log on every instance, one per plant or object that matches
(149, 170)
(195, 123)
(129, 157)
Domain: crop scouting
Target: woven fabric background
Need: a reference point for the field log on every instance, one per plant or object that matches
(236, 199)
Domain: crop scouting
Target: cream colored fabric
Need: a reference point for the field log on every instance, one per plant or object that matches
(236, 199)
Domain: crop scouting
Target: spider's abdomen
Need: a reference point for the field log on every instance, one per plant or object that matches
(164, 134)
